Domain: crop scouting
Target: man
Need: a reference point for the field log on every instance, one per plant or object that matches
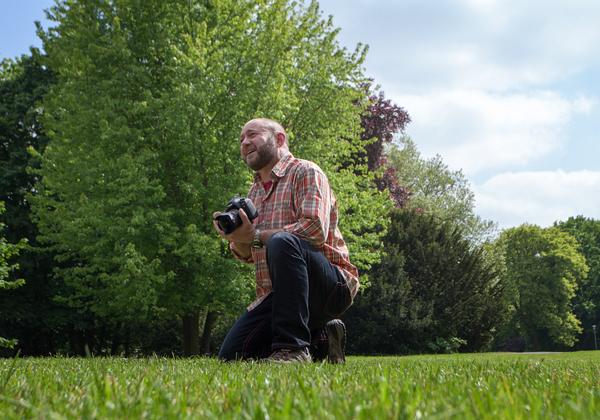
(304, 278)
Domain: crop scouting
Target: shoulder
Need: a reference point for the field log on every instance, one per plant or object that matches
(308, 176)
(306, 168)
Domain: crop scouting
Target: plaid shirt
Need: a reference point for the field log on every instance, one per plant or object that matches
(301, 202)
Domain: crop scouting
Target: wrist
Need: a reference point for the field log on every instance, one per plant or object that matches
(240, 250)
(257, 242)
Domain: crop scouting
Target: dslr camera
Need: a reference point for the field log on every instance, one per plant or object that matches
(230, 219)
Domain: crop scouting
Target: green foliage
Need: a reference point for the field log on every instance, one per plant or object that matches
(543, 268)
(586, 303)
(7, 252)
(144, 121)
(436, 189)
(22, 83)
(365, 218)
(28, 313)
(482, 386)
(432, 292)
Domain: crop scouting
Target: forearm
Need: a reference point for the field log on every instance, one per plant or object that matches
(241, 251)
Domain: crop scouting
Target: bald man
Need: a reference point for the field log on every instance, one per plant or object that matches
(304, 277)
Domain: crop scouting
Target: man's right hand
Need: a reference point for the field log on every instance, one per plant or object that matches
(243, 234)
(242, 251)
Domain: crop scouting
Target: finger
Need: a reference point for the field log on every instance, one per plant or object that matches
(244, 217)
(215, 214)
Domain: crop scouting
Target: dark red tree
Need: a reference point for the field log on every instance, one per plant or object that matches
(382, 120)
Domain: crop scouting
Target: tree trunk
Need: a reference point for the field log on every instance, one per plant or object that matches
(90, 342)
(114, 345)
(117, 335)
(191, 334)
(76, 342)
(209, 324)
(127, 340)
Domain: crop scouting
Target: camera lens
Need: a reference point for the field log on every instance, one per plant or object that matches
(227, 222)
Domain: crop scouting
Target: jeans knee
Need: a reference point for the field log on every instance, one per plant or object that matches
(280, 243)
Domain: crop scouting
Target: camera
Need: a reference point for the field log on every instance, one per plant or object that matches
(230, 219)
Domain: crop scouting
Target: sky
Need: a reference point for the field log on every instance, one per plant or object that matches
(506, 91)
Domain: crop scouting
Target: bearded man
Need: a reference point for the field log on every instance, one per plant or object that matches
(304, 277)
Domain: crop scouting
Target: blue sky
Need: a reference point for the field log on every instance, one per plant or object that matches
(508, 91)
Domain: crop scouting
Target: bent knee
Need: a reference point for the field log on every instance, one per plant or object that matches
(280, 238)
(281, 244)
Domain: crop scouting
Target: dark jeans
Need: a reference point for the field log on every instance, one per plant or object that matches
(307, 292)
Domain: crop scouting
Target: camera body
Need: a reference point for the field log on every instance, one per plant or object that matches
(230, 219)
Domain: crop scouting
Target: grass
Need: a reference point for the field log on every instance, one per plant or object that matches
(565, 385)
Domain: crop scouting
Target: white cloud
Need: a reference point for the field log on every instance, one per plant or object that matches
(473, 44)
(539, 197)
(478, 131)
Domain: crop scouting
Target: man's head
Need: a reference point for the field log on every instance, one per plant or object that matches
(262, 143)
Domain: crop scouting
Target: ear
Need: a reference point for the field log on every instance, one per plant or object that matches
(280, 139)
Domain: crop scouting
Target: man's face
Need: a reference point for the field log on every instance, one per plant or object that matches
(257, 145)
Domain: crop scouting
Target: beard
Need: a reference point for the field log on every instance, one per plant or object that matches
(263, 155)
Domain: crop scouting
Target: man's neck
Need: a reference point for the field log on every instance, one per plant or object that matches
(265, 171)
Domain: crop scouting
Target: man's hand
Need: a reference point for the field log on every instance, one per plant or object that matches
(243, 234)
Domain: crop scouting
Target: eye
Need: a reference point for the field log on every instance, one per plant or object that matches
(249, 135)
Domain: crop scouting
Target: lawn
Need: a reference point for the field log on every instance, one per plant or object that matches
(564, 385)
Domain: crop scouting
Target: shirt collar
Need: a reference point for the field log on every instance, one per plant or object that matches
(280, 167)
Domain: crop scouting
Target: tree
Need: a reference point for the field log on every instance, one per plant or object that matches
(544, 267)
(382, 122)
(432, 292)
(28, 312)
(143, 121)
(7, 251)
(586, 303)
(23, 83)
(436, 189)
